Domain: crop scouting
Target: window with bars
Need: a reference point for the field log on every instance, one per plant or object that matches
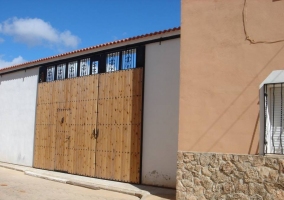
(129, 59)
(274, 118)
(50, 72)
(99, 62)
(72, 69)
(61, 71)
(95, 67)
(112, 62)
(85, 67)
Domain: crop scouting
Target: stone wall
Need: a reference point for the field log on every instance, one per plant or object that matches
(213, 176)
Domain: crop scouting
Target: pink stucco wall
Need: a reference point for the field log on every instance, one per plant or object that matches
(221, 71)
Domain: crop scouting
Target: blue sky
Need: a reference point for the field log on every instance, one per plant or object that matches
(34, 29)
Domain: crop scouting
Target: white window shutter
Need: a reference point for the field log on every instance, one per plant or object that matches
(275, 135)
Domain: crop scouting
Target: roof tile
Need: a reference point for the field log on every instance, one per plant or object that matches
(94, 47)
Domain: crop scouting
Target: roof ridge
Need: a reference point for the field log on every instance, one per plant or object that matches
(94, 47)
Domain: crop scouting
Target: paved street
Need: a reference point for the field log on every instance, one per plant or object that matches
(16, 185)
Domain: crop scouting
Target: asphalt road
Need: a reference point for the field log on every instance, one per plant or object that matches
(17, 185)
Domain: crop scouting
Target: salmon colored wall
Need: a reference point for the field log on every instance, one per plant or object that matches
(221, 71)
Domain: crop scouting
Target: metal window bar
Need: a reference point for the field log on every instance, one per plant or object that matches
(129, 59)
(112, 62)
(265, 119)
(273, 127)
(281, 127)
(50, 73)
(61, 71)
(85, 67)
(273, 118)
(72, 69)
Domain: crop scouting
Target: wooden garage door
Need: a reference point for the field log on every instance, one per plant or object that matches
(91, 125)
(66, 118)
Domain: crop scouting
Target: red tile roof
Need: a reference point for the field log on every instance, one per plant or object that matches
(14, 67)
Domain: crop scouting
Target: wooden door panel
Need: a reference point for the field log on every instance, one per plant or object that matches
(100, 135)
(119, 124)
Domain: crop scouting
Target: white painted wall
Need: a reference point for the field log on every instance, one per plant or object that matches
(17, 116)
(161, 111)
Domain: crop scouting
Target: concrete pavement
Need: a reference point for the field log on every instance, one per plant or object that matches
(15, 185)
(140, 191)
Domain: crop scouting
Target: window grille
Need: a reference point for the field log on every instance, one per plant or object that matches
(72, 69)
(85, 67)
(98, 62)
(112, 61)
(95, 67)
(50, 74)
(274, 116)
(61, 71)
(129, 59)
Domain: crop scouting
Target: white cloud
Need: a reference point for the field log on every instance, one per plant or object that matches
(34, 31)
(68, 39)
(15, 61)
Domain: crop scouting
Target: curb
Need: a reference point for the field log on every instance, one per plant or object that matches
(142, 195)
(12, 168)
(60, 180)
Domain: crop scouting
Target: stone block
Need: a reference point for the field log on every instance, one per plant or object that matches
(239, 196)
(227, 168)
(208, 194)
(278, 195)
(268, 197)
(242, 188)
(204, 159)
(180, 166)
(235, 158)
(180, 195)
(188, 157)
(214, 176)
(179, 174)
(273, 176)
(197, 158)
(256, 197)
(191, 197)
(281, 180)
(205, 171)
(187, 183)
(214, 161)
(197, 168)
(256, 160)
(269, 187)
(187, 176)
(251, 175)
(227, 157)
(189, 167)
(272, 163)
(281, 166)
(255, 188)
(239, 175)
(180, 186)
(240, 166)
(180, 156)
(206, 183)
(219, 177)
(199, 191)
(227, 188)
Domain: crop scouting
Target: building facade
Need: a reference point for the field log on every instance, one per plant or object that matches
(230, 117)
(98, 111)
